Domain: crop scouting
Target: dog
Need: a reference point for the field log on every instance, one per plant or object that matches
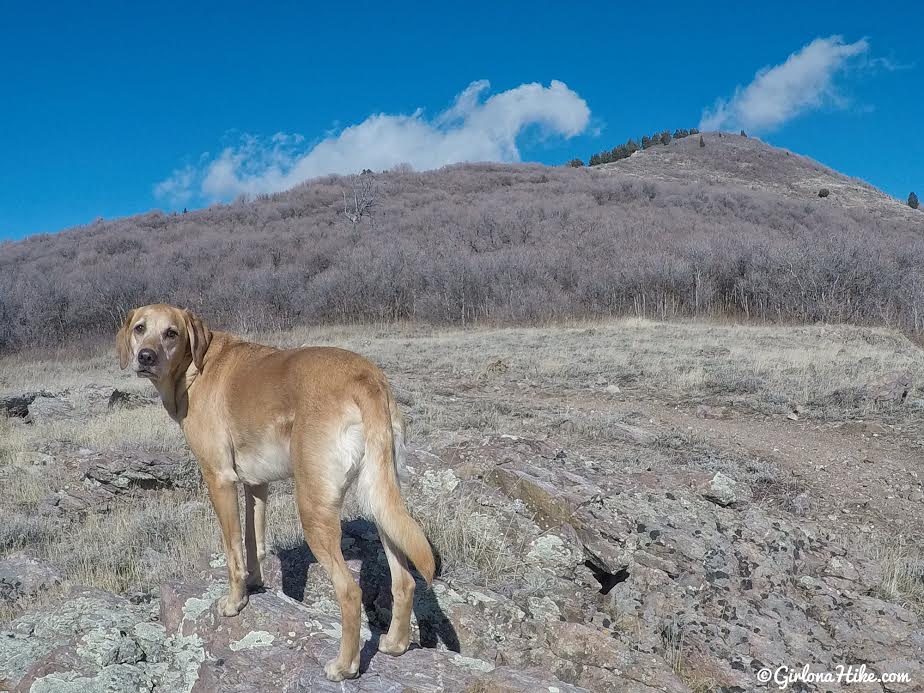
(254, 414)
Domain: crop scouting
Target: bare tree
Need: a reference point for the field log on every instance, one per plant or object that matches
(362, 201)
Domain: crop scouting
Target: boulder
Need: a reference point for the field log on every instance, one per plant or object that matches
(23, 577)
(48, 408)
(17, 406)
(74, 501)
(96, 641)
(891, 388)
(118, 472)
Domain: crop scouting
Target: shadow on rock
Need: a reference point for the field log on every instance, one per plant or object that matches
(361, 543)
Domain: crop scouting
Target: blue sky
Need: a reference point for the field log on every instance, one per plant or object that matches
(114, 109)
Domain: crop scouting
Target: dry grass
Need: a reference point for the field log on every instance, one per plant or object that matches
(472, 545)
(902, 573)
(150, 429)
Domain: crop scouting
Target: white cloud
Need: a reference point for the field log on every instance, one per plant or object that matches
(178, 187)
(780, 93)
(474, 128)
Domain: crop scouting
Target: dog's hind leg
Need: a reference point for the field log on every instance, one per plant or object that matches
(402, 600)
(255, 498)
(321, 521)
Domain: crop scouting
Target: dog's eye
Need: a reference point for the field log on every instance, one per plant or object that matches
(139, 328)
(170, 334)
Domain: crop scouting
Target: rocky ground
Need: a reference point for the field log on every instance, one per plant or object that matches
(622, 507)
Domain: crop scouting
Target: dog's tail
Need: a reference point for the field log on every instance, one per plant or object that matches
(379, 487)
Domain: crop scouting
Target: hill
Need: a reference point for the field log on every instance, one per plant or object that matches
(746, 162)
(733, 228)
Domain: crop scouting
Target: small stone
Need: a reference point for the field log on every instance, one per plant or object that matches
(725, 491)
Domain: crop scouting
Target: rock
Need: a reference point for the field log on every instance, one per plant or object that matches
(258, 646)
(612, 389)
(595, 658)
(126, 400)
(436, 482)
(725, 491)
(612, 573)
(95, 641)
(509, 680)
(114, 473)
(891, 388)
(126, 650)
(70, 501)
(17, 406)
(23, 577)
(704, 411)
(119, 472)
(543, 609)
(76, 645)
(45, 408)
(550, 551)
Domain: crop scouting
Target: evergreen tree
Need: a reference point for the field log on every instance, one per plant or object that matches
(646, 141)
(665, 137)
(913, 201)
(702, 142)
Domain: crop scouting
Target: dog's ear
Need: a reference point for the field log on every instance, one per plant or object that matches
(199, 336)
(123, 340)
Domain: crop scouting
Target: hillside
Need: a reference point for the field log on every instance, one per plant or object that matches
(735, 228)
(729, 160)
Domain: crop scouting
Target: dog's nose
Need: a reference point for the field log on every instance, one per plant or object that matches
(147, 357)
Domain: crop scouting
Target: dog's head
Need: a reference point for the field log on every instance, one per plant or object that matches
(160, 341)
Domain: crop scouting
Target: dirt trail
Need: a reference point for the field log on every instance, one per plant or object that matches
(864, 476)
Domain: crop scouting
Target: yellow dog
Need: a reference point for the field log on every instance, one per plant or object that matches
(254, 414)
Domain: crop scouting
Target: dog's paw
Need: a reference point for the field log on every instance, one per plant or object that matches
(335, 671)
(229, 606)
(393, 647)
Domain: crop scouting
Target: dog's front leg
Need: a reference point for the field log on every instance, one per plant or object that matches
(223, 494)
